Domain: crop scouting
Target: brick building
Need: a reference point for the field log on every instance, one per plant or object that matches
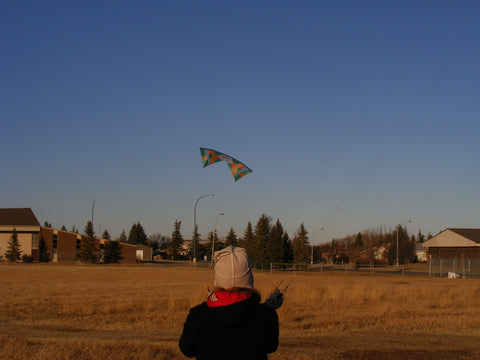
(61, 246)
(454, 243)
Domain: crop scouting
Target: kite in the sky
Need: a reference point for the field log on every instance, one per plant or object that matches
(238, 169)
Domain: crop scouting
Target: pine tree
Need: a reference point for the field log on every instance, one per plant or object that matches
(287, 248)
(301, 249)
(86, 253)
(194, 247)
(177, 240)
(274, 245)
(358, 240)
(13, 250)
(247, 240)
(231, 238)
(420, 237)
(106, 235)
(405, 250)
(123, 237)
(63, 228)
(261, 236)
(137, 235)
(112, 252)
(42, 251)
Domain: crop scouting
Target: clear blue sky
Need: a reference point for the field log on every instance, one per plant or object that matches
(351, 114)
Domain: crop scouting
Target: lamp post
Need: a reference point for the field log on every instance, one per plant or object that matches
(195, 225)
(93, 207)
(398, 227)
(311, 255)
(213, 235)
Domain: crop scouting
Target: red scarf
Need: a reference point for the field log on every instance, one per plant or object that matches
(225, 298)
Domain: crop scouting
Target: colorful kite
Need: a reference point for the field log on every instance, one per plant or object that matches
(238, 169)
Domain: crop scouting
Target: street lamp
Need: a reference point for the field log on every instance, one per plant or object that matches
(311, 255)
(397, 238)
(213, 236)
(195, 225)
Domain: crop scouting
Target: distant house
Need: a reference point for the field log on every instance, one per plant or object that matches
(61, 246)
(454, 243)
(420, 252)
(379, 253)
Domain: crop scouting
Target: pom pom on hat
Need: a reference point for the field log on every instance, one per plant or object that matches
(232, 268)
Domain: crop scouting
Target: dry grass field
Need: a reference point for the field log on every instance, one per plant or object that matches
(50, 311)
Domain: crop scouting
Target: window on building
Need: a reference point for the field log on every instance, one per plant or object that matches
(35, 241)
(55, 238)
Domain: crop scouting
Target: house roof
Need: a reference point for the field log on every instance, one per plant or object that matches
(470, 234)
(18, 216)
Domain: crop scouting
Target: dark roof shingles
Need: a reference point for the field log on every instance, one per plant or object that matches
(18, 216)
(470, 234)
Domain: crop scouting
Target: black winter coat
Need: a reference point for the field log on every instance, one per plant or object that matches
(246, 330)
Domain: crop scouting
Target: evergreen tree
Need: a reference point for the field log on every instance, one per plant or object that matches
(113, 252)
(13, 249)
(137, 235)
(87, 253)
(301, 248)
(123, 237)
(177, 240)
(47, 224)
(106, 235)
(261, 236)
(287, 252)
(420, 237)
(405, 251)
(63, 228)
(231, 238)
(247, 240)
(274, 245)
(42, 251)
(194, 247)
(358, 240)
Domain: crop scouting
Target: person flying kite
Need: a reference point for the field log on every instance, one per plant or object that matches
(238, 169)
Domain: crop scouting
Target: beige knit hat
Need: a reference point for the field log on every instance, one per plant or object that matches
(232, 268)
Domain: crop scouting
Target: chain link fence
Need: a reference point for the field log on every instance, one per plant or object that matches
(454, 268)
(437, 267)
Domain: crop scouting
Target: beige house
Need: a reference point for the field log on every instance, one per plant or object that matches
(453, 242)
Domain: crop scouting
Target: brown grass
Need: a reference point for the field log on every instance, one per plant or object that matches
(50, 311)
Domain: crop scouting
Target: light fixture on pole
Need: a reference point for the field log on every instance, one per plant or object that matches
(195, 225)
(398, 228)
(213, 235)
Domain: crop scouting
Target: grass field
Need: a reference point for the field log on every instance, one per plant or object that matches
(51, 311)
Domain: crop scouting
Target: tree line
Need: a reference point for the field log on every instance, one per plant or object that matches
(266, 242)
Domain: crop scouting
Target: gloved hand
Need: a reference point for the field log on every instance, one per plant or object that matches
(275, 300)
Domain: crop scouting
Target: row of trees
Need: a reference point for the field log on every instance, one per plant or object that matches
(364, 247)
(266, 242)
(269, 242)
(112, 252)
